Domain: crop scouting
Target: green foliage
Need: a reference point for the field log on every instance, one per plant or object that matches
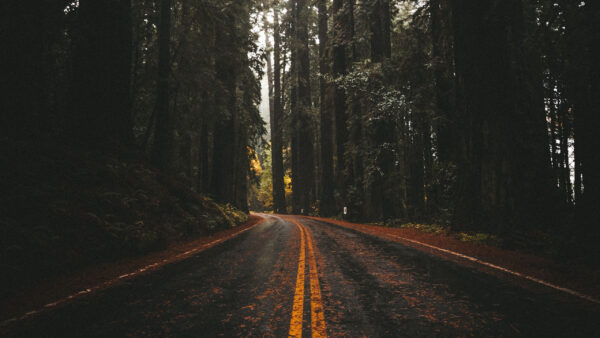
(472, 237)
(429, 228)
(233, 215)
(479, 237)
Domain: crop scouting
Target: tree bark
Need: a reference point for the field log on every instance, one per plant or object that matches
(224, 148)
(380, 26)
(102, 52)
(279, 204)
(294, 121)
(503, 166)
(327, 205)
(341, 38)
(589, 123)
(444, 87)
(163, 135)
(305, 138)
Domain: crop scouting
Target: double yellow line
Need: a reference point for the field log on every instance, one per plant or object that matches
(316, 304)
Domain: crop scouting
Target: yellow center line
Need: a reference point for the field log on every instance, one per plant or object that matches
(298, 307)
(316, 305)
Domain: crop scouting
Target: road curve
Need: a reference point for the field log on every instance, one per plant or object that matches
(302, 277)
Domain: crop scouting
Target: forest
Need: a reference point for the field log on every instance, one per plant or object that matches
(479, 115)
(127, 123)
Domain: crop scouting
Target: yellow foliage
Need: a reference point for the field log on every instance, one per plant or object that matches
(255, 165)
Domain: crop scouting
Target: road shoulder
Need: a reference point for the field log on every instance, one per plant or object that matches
(60, 289)
(567, 275)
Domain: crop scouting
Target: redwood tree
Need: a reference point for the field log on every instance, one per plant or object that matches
(327, 205)
(279, 204)
(101, 103)
(503, 165)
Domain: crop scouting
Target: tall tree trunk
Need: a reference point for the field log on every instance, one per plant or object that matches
(327, 205)
(269, 65)
(163, 135)
(28, 30)
(429, 197)
(203, 171)
(444, 87)
(224, 148)
(386, 26)
(279, 204)
(241, 165)
(305, 138)
(588, 141)
(294, 123)
(502, 173)
(380, 202)
(101, 105)
(341, 38)
(578, 36)
(355, 125)
(379, 20)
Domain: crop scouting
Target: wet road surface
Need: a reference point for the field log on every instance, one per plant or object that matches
(349, 284)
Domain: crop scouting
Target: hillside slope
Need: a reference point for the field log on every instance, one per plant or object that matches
(62, 209)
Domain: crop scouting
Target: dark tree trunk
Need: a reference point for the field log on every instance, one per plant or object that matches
(327, 206)
(241, 166)
(355, 163)
(203, 171)
(429, 197)
(26, 27)
(416, 177)
(21, 58)
(224, 149)
(578, 81)
(380, 201)
(279, 204)
(379, 21)
(588, 117)
(294, 123)
(305, 138)
(444, 86)
(102, 55)
(341, 38)
(386, 26)
(163, 134)
(503, 168)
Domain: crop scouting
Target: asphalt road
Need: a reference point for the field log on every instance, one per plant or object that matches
(349, 284)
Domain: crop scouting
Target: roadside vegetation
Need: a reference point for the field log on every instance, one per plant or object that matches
(65, 209)
(555, 245)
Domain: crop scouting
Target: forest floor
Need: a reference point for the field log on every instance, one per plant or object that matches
(570, 274)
